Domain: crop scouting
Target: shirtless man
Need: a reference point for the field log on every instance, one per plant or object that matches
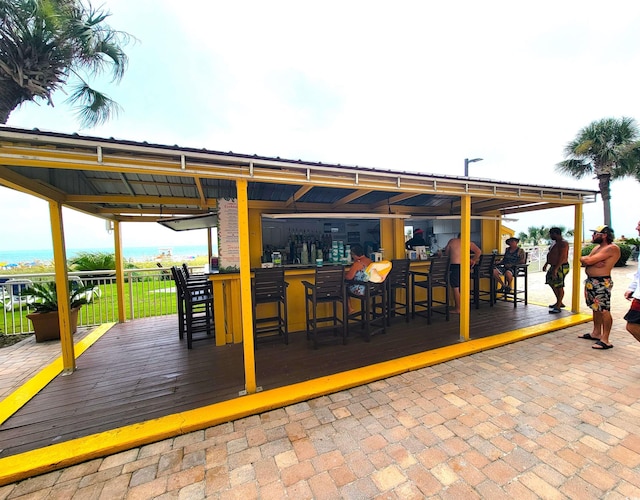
(597, 286)
(558, 264)
(452, 250)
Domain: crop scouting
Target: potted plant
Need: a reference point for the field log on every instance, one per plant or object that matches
(45, 305)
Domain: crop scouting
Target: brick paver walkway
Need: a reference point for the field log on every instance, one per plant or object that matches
(547, 417)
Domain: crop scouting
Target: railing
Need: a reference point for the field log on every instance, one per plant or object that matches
(148, 292)
(538, 256)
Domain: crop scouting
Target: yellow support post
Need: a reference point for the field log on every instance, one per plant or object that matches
(62, 287)
(577, 251)
(245, 288)
(117, 243)
(465, 267)
(398, 239)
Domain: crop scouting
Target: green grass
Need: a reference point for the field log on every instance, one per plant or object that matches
(150, 298)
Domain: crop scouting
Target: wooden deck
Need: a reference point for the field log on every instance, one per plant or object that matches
(140, 370)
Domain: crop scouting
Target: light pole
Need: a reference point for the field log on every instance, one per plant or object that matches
(466, 164)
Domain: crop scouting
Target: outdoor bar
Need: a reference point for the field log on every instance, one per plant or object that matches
(271, 213)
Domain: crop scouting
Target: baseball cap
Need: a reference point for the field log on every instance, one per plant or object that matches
(602, 229)
(418, 231)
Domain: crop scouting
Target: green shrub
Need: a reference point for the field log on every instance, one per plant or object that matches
(93, 261)
(625, 253)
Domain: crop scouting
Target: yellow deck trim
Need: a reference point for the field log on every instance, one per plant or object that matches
(78, 450)
(18, 398)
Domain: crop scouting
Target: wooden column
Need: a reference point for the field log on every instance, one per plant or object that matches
(465, 267)
(245, 288)
(577, 251)
(117, 244)
(62, 287)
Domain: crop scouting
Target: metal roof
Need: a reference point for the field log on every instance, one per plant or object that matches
(127, 180)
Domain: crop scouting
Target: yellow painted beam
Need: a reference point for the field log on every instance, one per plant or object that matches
(577, 247)
(124, 198)
(298, 194)
(13, 180)
(465, 266)
(245, 288)
(62, 286)
(117, 244)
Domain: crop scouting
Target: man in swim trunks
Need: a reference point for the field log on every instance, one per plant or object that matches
(558, 264)
(633, 294)
(597, 286)
(453, 251)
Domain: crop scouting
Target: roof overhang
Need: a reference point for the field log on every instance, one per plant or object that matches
(133, 181)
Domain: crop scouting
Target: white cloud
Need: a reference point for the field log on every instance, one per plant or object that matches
(414, 86)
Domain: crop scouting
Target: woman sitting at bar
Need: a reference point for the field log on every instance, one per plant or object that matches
(357, 271)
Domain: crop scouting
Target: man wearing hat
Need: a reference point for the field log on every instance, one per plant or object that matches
(417, 240)
(598, 285)
(503, 271)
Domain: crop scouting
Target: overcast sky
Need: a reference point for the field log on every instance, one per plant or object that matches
(411, 85)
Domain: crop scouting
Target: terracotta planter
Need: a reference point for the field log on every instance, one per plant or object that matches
(46, 325)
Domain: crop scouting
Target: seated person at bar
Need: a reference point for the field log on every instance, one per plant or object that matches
(503, 271)
(453, 251)
(417, 240)
(357, 271)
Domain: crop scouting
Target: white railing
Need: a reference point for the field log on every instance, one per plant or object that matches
(148, 292)
(538, 256)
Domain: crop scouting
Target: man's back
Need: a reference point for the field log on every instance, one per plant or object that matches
(453, 250)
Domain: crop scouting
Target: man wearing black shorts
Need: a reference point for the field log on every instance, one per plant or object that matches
(558, 264)
(633, 294)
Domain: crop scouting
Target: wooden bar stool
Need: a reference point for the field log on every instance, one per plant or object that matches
(195, 308)
(372, 316)
(328, 288)
(269, 287)
(437, 277)
(484, 269)
(399, 279)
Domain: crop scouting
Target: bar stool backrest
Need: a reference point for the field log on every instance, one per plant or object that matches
(398, 277)
(484, 267)
(329, 282)
(269, 284)
(439, 271)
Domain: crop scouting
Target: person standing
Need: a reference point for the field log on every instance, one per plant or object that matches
(453, 251)
(558, 264)
(633, 294)
(417, 240)
(598, 285)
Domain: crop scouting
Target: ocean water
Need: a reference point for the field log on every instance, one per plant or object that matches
(37, 257)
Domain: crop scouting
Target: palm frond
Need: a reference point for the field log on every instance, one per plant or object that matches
(91, 106)
(44, 42)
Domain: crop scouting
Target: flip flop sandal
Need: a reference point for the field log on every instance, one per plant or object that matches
(601, 346)
(587, 336)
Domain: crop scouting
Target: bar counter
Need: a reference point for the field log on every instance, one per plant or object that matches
(227, 304)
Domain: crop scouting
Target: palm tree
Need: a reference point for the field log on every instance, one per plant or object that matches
(47, 44)
(537, 233)
(606, 148)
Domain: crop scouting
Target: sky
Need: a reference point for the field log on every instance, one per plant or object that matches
(411, 86)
